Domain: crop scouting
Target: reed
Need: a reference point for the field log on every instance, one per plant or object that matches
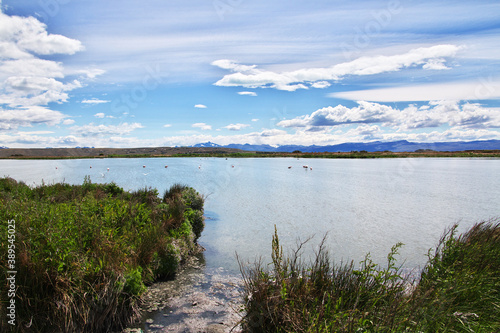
(84, 253)
(458, 290)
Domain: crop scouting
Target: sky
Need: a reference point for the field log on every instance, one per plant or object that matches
(134, 73)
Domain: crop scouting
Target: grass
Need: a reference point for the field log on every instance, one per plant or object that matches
(457, 291)
(84, 253)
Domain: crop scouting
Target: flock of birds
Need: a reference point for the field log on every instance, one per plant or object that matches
(199, 167)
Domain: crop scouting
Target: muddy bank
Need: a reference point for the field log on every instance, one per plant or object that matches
(198, 300)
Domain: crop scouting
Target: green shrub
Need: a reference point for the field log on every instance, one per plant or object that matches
(167, 260)
(146, 195)
(197, 220)
(193, 199)
(173, 191)
(113, 189)
(134, 285)
(84, 253)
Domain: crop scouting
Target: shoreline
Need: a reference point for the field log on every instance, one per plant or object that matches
(163, 152)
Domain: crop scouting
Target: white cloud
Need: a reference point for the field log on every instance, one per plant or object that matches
(482, 89)
(34, 132)
(103, 130)
(247, 93)
(68, 122)
(436, 64)
(236, 127)
(361, 133)
(341, 115)
(435, 114)
(90, 73)
(32, 67)
(202, 126)
(444, 136)
(200, 106)
(29, 116)
(321, 84)
(255, 119)
(28, 35)
(251, 77)
(29, 83)
(94, 101)
(26, 91)
(99, 115)
(167, 125)
(234, 66)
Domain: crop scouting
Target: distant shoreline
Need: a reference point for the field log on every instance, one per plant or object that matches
(62, 153)
(152, 152)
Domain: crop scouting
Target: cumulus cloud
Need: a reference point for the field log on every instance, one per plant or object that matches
(434, 114)
(200, 106)
(202, 126)
(341, 115)
(29, 116)
(321, 84)
(251, 77)
(26, 35)
(91, 129)
(29, 83)
(24, 91)
(236, 127)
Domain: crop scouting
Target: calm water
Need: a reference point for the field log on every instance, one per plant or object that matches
(363, 205)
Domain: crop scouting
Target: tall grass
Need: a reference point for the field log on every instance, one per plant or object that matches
(85, 253)
(458, 290)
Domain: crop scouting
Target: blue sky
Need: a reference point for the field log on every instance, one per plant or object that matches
(175, 73)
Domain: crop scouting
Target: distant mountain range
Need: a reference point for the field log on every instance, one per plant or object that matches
(394, 146)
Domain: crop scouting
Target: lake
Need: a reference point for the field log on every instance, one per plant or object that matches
(362, 205)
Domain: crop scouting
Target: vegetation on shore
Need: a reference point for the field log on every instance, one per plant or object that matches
(297, 154)
(457, 291)
(84, 253)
